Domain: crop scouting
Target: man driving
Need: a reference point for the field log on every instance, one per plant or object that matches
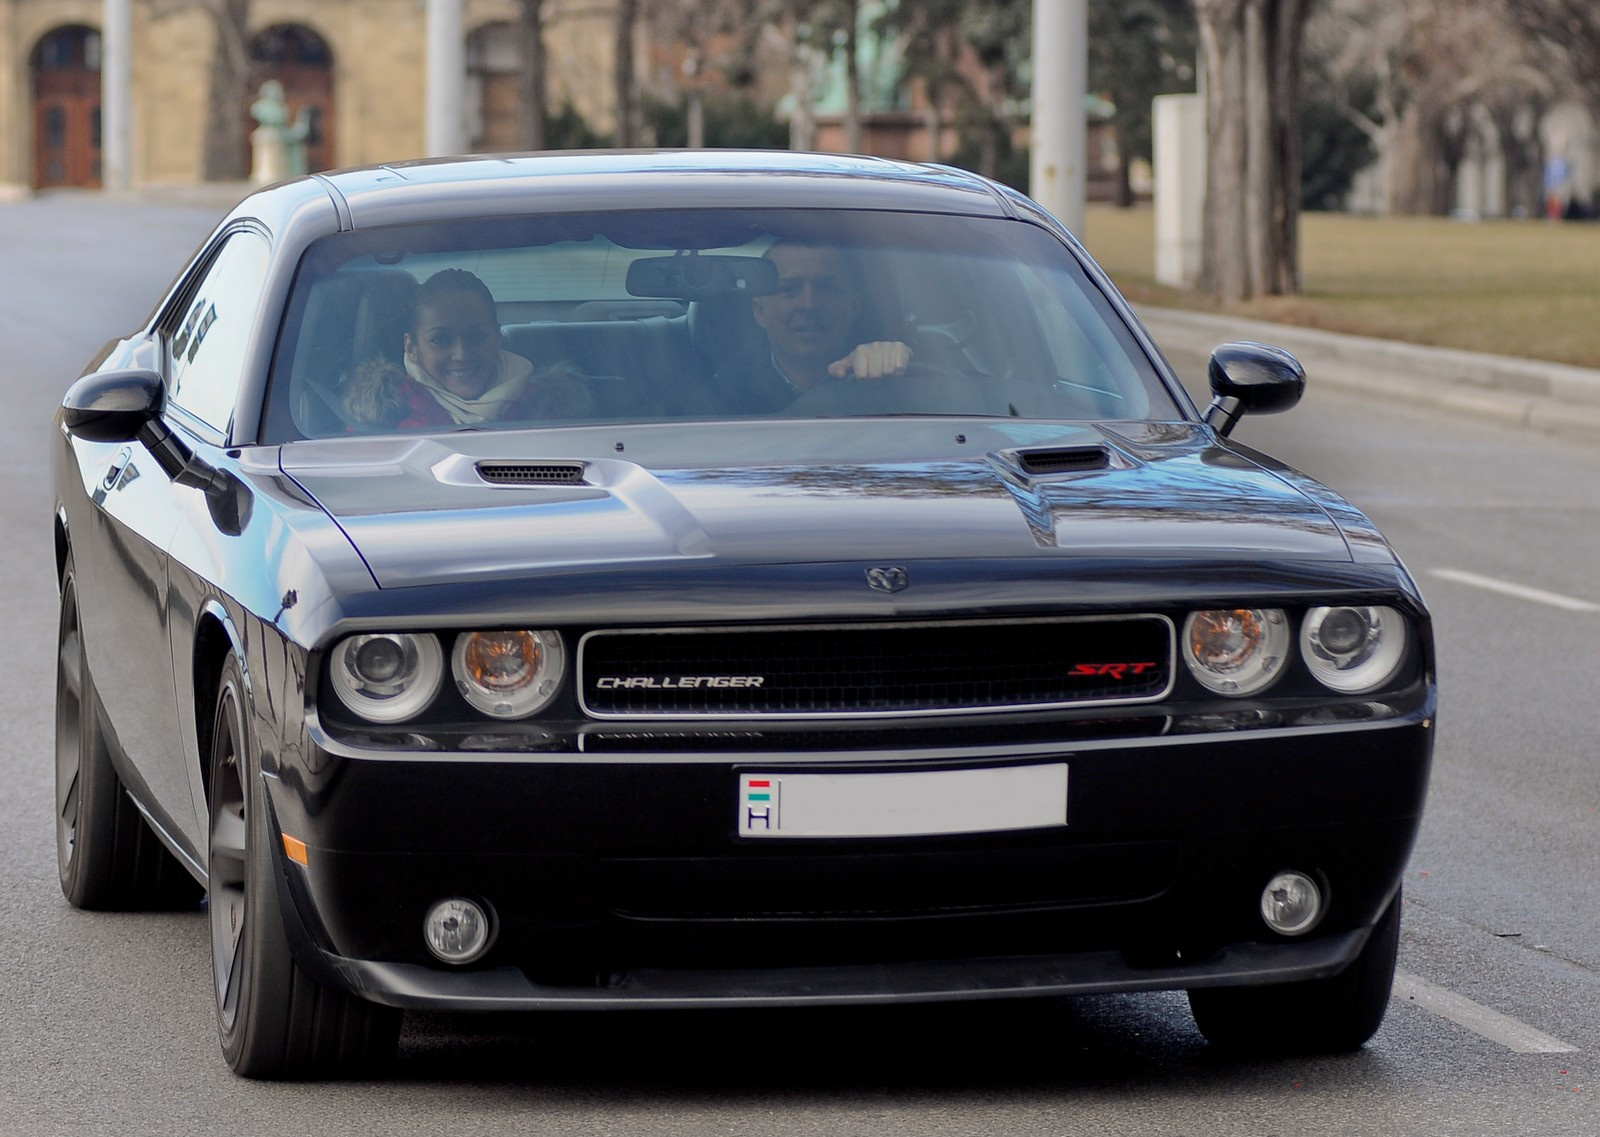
(810, 321)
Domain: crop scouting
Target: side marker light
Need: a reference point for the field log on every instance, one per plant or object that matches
(295, 848)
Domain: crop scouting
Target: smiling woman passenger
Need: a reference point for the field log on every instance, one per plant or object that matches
(457, 370)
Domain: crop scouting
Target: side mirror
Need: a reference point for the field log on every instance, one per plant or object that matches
(1251, 378)
(112, 406)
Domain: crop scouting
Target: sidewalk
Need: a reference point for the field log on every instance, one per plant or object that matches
(1552, 397)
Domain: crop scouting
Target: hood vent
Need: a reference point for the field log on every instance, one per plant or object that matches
(532, 473)
(1065, 460)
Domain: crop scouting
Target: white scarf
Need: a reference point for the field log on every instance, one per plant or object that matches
(510, 383)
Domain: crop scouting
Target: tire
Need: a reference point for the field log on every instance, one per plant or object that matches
(273, 1020)
(1321, 1016)
(107, 856)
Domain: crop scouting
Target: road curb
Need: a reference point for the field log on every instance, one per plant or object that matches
(1552, 397)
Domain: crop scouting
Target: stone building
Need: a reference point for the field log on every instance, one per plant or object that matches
(356, 67)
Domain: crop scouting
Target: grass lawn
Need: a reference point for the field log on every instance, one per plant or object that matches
(1524, 288)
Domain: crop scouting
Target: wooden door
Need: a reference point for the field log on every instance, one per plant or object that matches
(66, 108)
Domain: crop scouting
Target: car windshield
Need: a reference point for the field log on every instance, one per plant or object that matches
(699, 314)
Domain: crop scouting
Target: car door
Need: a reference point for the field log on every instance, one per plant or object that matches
(199, 345)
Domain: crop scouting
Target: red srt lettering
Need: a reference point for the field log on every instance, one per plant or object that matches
(1111, 670)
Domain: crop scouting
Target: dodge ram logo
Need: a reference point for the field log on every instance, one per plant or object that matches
(888, 579)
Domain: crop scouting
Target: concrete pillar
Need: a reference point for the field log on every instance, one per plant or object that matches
(1180, 197)
(447, 78)
(116, 95)
(1059, 131)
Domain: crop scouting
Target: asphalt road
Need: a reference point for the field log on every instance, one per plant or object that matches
(106, 1021)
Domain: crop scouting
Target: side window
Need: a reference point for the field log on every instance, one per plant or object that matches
(210, 338)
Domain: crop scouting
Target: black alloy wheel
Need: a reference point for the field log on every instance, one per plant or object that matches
(107, 857)
(274, 1021)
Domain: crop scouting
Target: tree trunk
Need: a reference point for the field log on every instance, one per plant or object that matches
(802, 122)
(1251, 53)
(852, 79)
(533, 106)
(1285, 103)
(225, 152)
(1222, 261)
(627, 102)
(1124, 198)
(1259, 168)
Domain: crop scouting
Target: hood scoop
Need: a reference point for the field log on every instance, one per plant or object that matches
(531, 473)
(1062, 460)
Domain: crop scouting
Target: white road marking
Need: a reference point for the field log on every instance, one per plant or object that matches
(1520, 591)
(1520, 1038)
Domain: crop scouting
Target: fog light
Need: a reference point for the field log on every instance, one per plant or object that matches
(457, 930)
(1291, 904)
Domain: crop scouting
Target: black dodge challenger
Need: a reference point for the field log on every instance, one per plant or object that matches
(718, 579)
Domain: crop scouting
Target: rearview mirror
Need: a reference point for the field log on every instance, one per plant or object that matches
(690, 276)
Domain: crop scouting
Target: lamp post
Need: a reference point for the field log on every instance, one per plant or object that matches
(1059, 133)
(447, 78)
(116, 95)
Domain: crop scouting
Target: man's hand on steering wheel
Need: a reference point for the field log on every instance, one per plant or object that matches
(880, 359)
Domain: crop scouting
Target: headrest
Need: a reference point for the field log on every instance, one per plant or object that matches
(382, 315)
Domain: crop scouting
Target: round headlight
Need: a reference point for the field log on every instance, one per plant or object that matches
(509, 675)
(388, 676)
(1236, 651)
(1353, 650)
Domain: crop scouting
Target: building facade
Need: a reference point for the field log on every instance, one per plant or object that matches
(353, 72)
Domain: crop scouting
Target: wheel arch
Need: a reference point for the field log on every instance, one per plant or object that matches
(215, 638)
(63, 545)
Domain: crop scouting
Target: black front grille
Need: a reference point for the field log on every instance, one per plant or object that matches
(875, 669)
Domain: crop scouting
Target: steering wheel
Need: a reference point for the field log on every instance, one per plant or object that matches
(923, 388)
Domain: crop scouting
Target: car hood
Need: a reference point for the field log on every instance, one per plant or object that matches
(423, 510)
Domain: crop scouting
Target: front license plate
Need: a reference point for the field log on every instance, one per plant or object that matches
(915, 803)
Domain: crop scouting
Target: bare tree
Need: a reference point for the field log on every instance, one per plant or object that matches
(1471, 81)
(1251, 52)
(627, 80)
(1569, 31)
(1512, 88)
(971, 53)
(1139, 49)
(852, 71)
(533, 102)
(225, 151)
(932, 43)
(712, 46)
(1358, 49)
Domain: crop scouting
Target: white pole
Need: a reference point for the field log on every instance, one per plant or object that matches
(1179, 123)
(1060, 83)
(116, 95)
(447, 78)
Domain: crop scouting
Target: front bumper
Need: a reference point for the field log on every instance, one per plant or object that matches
(619, 881)
(417, 987)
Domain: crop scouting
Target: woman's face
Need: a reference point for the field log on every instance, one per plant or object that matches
(457, 342)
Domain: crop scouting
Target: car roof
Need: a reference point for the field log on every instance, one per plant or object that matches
(500, 185)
